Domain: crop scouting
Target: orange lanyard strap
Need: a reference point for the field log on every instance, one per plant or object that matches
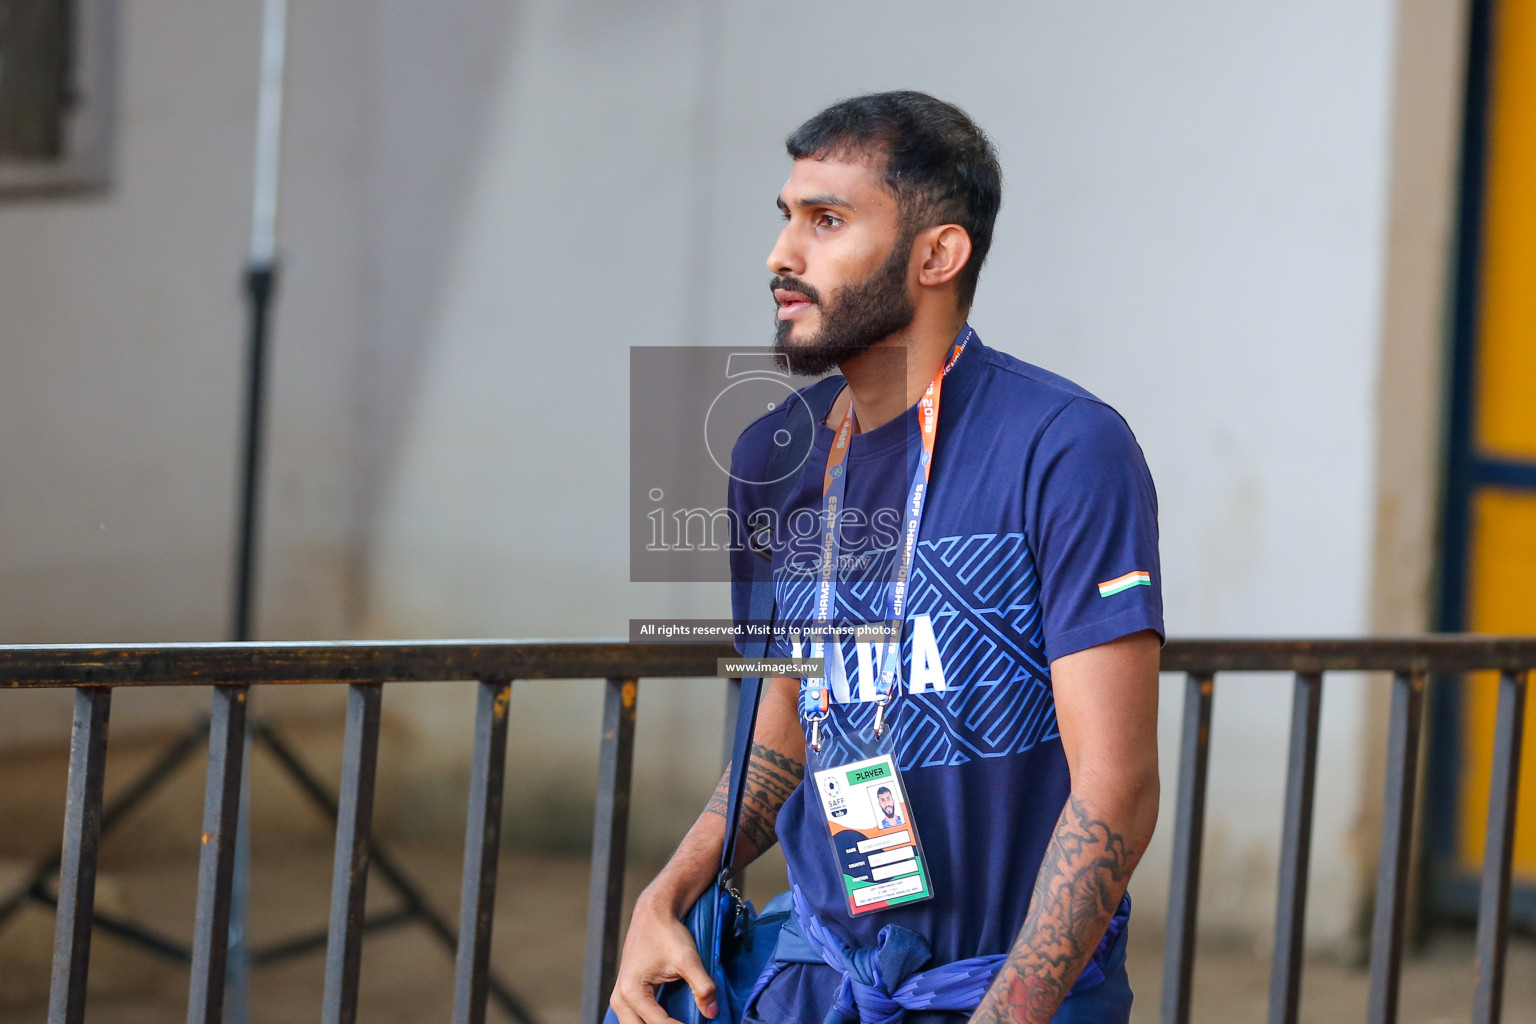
(813, 696)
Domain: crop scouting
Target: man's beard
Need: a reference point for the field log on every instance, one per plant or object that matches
(859, 316)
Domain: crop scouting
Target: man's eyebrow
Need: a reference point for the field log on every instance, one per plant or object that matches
(824, 199)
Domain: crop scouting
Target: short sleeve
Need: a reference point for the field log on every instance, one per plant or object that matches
(741, 555)
(749, 503)
(1092, 512)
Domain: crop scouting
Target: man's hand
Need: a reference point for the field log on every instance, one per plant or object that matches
(658, 949)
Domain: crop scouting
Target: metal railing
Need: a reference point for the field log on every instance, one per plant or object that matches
(93, 673)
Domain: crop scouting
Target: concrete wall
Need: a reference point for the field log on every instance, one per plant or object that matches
(487, 204)
(121, 347)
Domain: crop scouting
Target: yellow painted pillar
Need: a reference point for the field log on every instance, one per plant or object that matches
(1502, 565)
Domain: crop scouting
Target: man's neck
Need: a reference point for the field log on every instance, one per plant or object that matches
(889, 378)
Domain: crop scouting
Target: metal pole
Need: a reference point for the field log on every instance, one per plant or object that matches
(260, 283)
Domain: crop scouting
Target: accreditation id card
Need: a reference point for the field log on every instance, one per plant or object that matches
(873, 837)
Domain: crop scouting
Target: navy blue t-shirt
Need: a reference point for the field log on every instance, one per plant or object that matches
(1039, 539)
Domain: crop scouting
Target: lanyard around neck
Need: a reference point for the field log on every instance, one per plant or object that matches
(815, 701)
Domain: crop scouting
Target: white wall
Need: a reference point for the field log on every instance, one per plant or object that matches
(1193, 228)
(121, 345)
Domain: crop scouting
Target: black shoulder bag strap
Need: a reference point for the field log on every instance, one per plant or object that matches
(783, 474)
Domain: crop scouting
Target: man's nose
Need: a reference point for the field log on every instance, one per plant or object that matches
(785, 257)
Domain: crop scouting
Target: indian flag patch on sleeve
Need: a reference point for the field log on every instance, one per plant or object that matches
(1139, 578)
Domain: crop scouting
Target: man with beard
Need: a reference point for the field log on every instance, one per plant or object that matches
(1018, 708)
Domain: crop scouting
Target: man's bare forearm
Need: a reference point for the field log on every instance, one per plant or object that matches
(771, 777)
(1081, 880)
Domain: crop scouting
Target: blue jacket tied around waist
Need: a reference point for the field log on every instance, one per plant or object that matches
(880, 984)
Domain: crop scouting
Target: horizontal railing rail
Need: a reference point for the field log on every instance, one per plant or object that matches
(95, 671)
(203, 664)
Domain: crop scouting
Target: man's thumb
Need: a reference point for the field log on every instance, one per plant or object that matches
(703, 986)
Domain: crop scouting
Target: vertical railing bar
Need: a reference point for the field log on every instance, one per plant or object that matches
(1295, 852)
(1188, 839)
(610, 834)
(1498, 852)
(482, 844)
(216, 864)
(349, 875)
(77, 864)
(1396, 846)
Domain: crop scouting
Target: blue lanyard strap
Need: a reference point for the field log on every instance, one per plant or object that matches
(814, 697)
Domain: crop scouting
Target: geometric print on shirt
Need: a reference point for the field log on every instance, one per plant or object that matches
(982, 596)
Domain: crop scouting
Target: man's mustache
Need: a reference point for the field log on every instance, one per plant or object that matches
(794, 284)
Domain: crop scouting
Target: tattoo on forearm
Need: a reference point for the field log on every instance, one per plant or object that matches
(771, 778)
(1082, 877)
(718, 799)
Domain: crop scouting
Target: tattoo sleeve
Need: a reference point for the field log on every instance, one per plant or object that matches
(771, 777)
(1082, 877)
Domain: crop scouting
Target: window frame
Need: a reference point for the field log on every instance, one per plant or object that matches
(86, 162)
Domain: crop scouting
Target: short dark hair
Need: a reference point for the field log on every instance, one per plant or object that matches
(885, 789)
(939, 165)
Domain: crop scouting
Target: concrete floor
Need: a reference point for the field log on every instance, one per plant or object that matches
(540, 920)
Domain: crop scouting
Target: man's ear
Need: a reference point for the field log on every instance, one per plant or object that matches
(944, 251)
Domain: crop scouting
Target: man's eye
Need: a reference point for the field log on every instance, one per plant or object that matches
(829, 221)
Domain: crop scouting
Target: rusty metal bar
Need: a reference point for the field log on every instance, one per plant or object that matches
(1295, 851)
(349, 877)
(1396, 846)
(1188, 839)
(435, 661)
(216, 866)
(77, 867)
(1412, 654)
(1498, 852)
(482, 843)
(610, 836)
(349, 662)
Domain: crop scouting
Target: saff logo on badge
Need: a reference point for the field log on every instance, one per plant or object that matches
(837, 804)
